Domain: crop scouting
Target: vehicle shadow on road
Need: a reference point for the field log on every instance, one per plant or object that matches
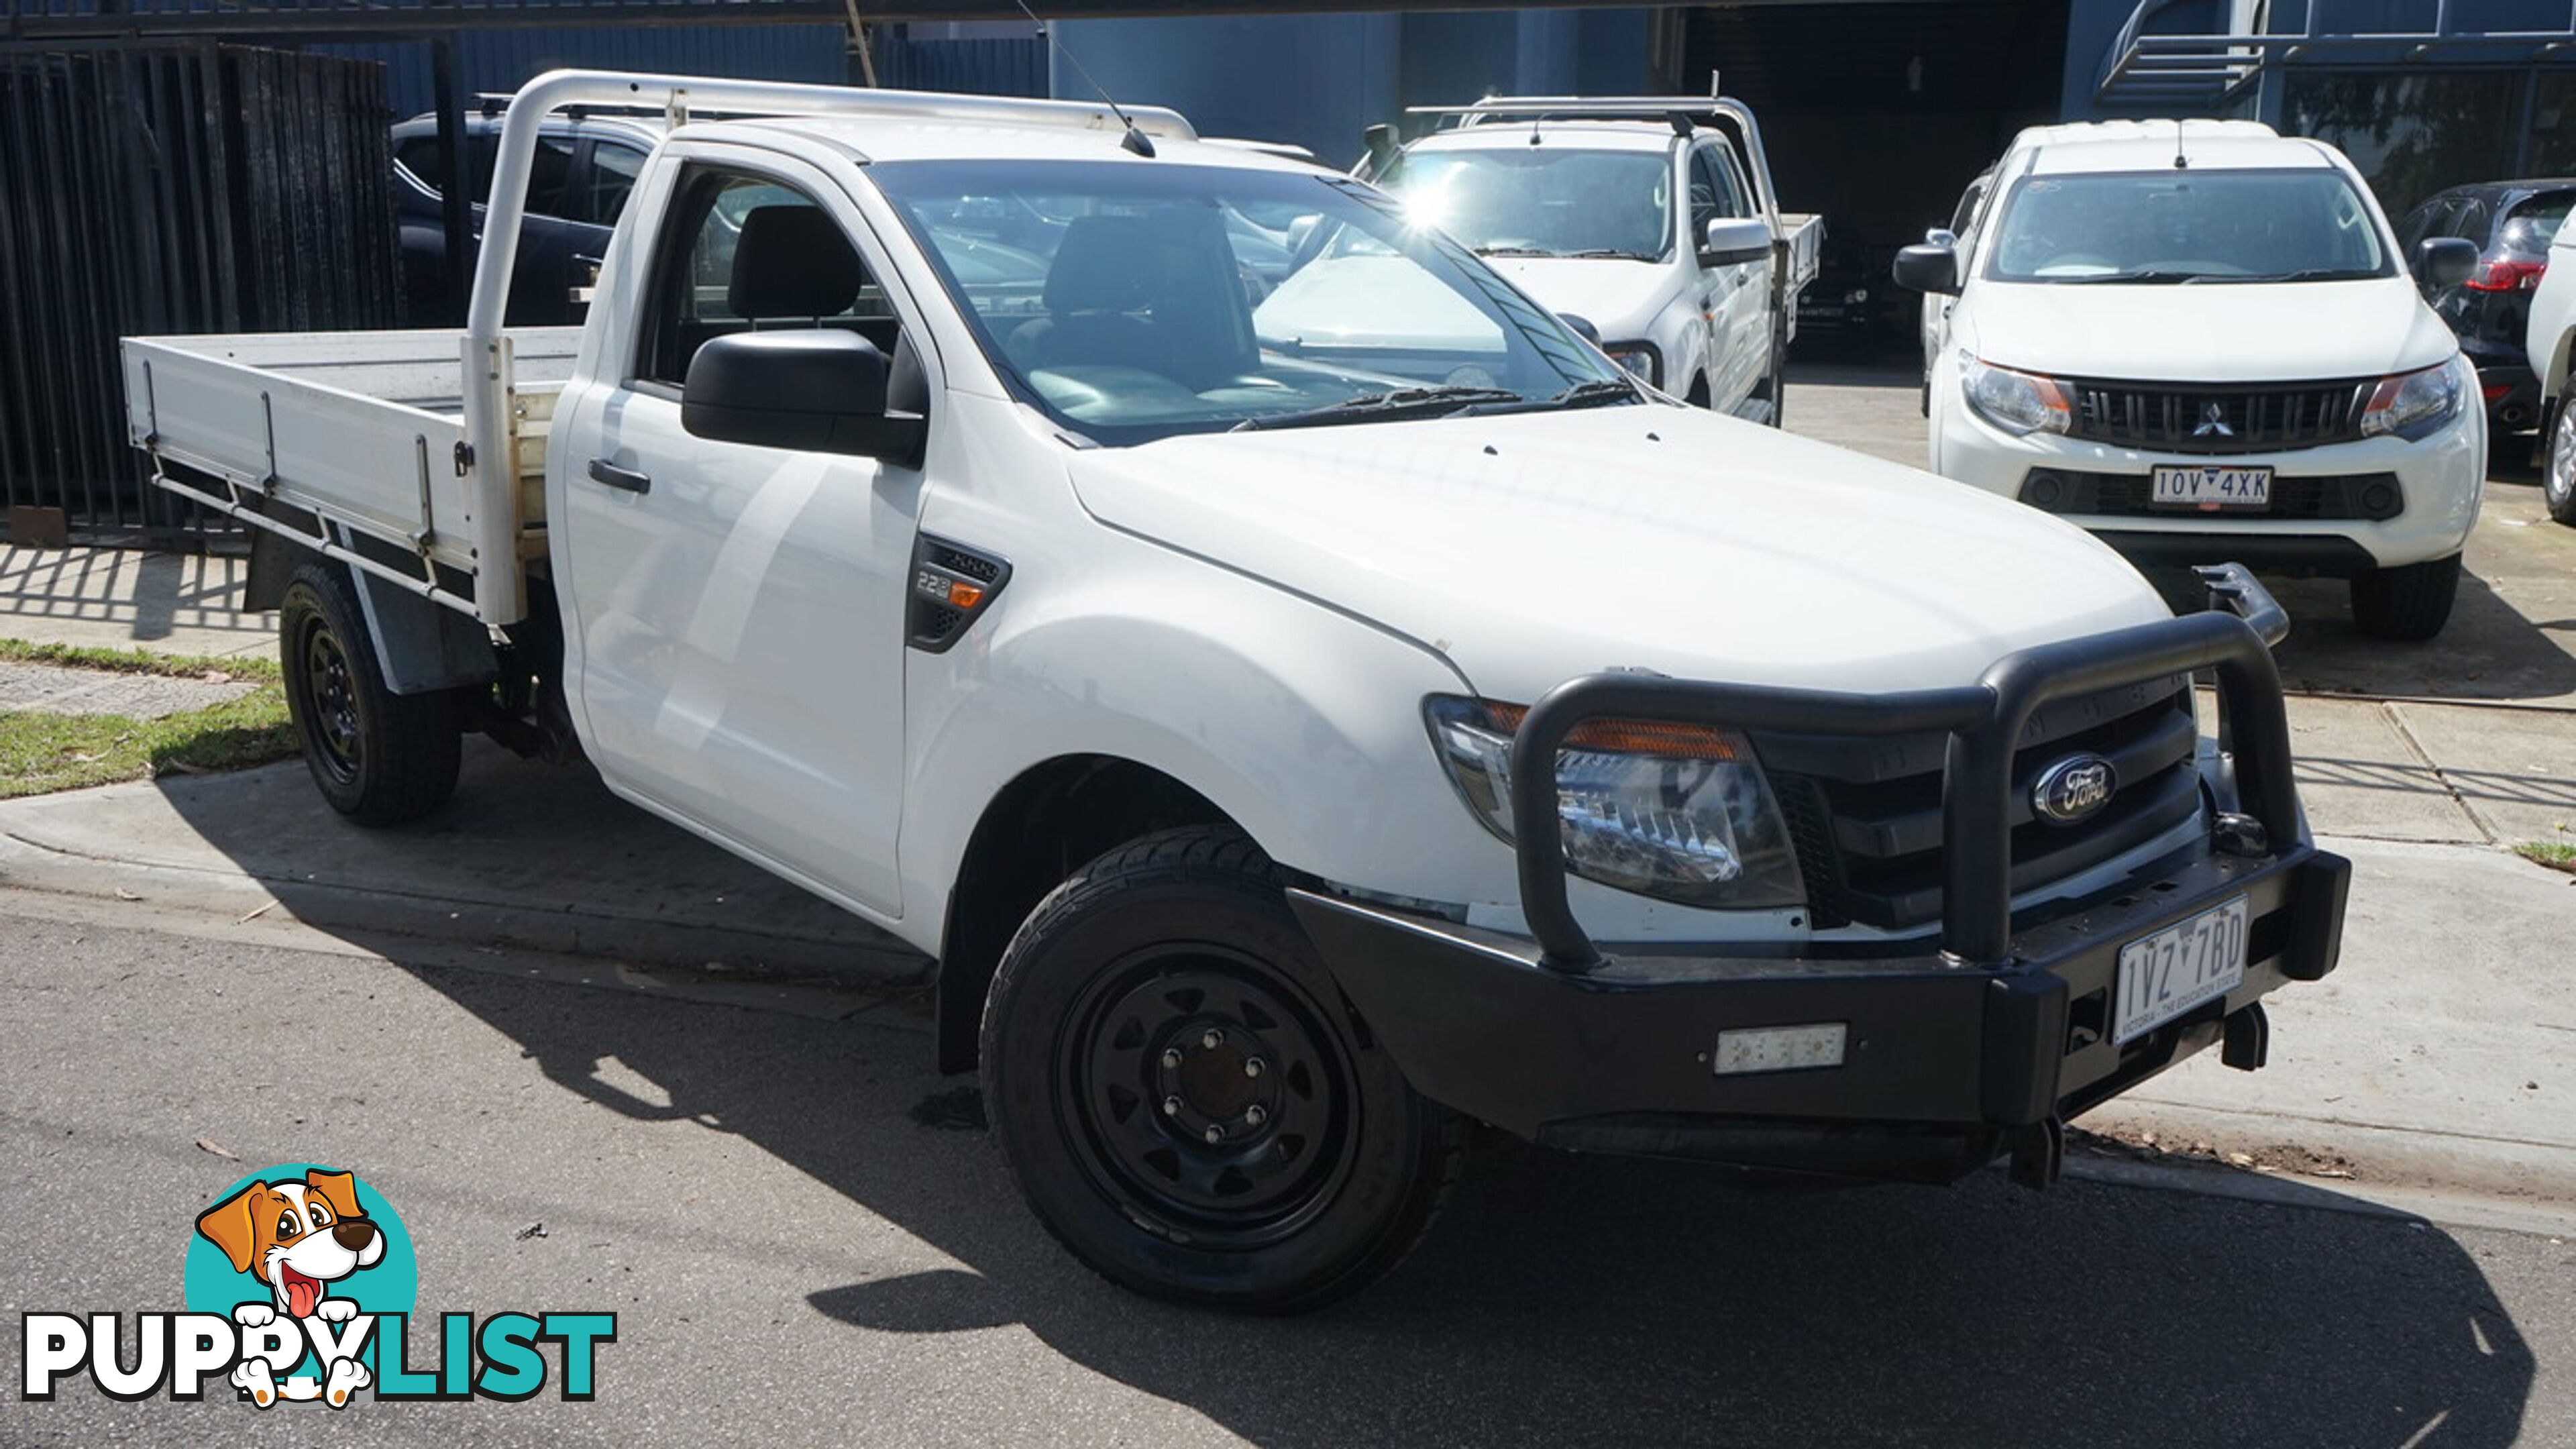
(2487, 651)
(1568, 1300)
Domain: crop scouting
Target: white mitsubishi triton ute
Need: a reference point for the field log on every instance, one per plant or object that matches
(1292, 743)
(2200, 340)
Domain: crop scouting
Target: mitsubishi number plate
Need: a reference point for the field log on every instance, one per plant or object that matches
(2211, 488)
(2180, 967)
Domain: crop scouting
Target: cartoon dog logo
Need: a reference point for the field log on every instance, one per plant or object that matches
(298, 1238)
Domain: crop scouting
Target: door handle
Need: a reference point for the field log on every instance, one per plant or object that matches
(604, 471)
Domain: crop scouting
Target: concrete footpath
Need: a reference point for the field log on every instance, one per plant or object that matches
(2441, 1057)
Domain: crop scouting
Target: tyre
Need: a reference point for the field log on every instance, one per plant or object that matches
(2409, 603)
(380, 758)
(1183, 1096)
(2557, 450)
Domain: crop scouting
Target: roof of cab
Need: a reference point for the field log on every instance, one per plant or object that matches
(879, 138)
(1618, 135)
(2069, 133)
(2231, 151)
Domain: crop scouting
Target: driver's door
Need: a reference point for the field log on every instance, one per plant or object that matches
(740, 608)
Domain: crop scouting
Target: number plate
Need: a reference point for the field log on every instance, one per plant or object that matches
(2211, 489)
(2180, 967)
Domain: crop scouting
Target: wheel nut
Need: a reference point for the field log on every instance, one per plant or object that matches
(1215, 1133)
(1254, 1066)
(1171, 1058)
(1171, 1106)
(1212, 1039)
(1254, 1115)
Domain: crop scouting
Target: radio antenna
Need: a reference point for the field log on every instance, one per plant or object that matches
(2181, 162)
(1135, 140)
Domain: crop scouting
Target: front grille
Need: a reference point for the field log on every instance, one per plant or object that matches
(2368, 496)
(1865, 814)
(2199, 418)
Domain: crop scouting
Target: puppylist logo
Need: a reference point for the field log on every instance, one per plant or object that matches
(300, 1286)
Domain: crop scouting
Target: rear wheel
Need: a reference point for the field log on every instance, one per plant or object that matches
(2410, 603)
(2557, 449)
(1184, 1097)
(380, 758)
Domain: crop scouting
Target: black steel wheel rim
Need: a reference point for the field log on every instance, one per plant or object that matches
(1205, 1095)
(330, 703)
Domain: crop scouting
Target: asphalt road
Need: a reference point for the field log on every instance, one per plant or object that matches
(799, 1253)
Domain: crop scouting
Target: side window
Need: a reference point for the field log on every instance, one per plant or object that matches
(419, 156)
(2470, 222)
(1708, 199)
(1966, 215)
(547, 176)
(1737, 197)
(2418, 224)
(614, 165)
(740, 252)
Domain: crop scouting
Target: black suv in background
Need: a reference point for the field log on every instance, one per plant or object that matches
(2511, 224)
(585, 165)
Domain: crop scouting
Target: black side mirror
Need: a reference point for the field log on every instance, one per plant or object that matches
(1583, 327)
(2444, 262)
(1376, 161)
(821, 391)
(1926, 267)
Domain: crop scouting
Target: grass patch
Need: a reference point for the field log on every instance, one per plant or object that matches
(140, 661)
(2555, 854)
(42, 753)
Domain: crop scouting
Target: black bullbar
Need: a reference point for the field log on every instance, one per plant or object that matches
(1953, 1050)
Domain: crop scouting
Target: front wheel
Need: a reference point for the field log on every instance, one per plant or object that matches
(1184, 1097)
(2410, 603)
(380, 758)
(2557, 448)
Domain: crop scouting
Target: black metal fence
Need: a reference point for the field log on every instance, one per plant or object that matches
(171, 187)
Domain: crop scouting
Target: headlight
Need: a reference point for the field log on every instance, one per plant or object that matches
(2413, 404)
(1641, 359)
(2017, 402)
(1678, 812)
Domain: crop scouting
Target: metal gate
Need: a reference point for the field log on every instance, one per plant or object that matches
(169, 187)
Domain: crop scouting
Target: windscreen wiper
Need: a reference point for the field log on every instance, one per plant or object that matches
(1596, 393)
(2149, 275)
(2311, 274)
(1622, 253)
(1514, 252)
(1401, 402)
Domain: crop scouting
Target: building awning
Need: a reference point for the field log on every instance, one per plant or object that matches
(2145, 69)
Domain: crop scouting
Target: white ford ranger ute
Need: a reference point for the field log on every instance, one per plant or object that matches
(1184, 686)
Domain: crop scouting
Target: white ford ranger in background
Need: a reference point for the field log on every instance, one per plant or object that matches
(1189, 686)
(2199, 340)
(1651, 218)
(2550, 341)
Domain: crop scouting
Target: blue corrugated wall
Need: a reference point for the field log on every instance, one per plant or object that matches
(501, 60)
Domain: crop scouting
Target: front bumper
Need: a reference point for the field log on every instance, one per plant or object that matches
(1954, 1050)
(2440, 479)
(1943, 1066)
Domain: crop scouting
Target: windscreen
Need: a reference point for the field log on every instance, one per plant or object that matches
(1545, 201)
(2144, 227)
(1131, 302)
